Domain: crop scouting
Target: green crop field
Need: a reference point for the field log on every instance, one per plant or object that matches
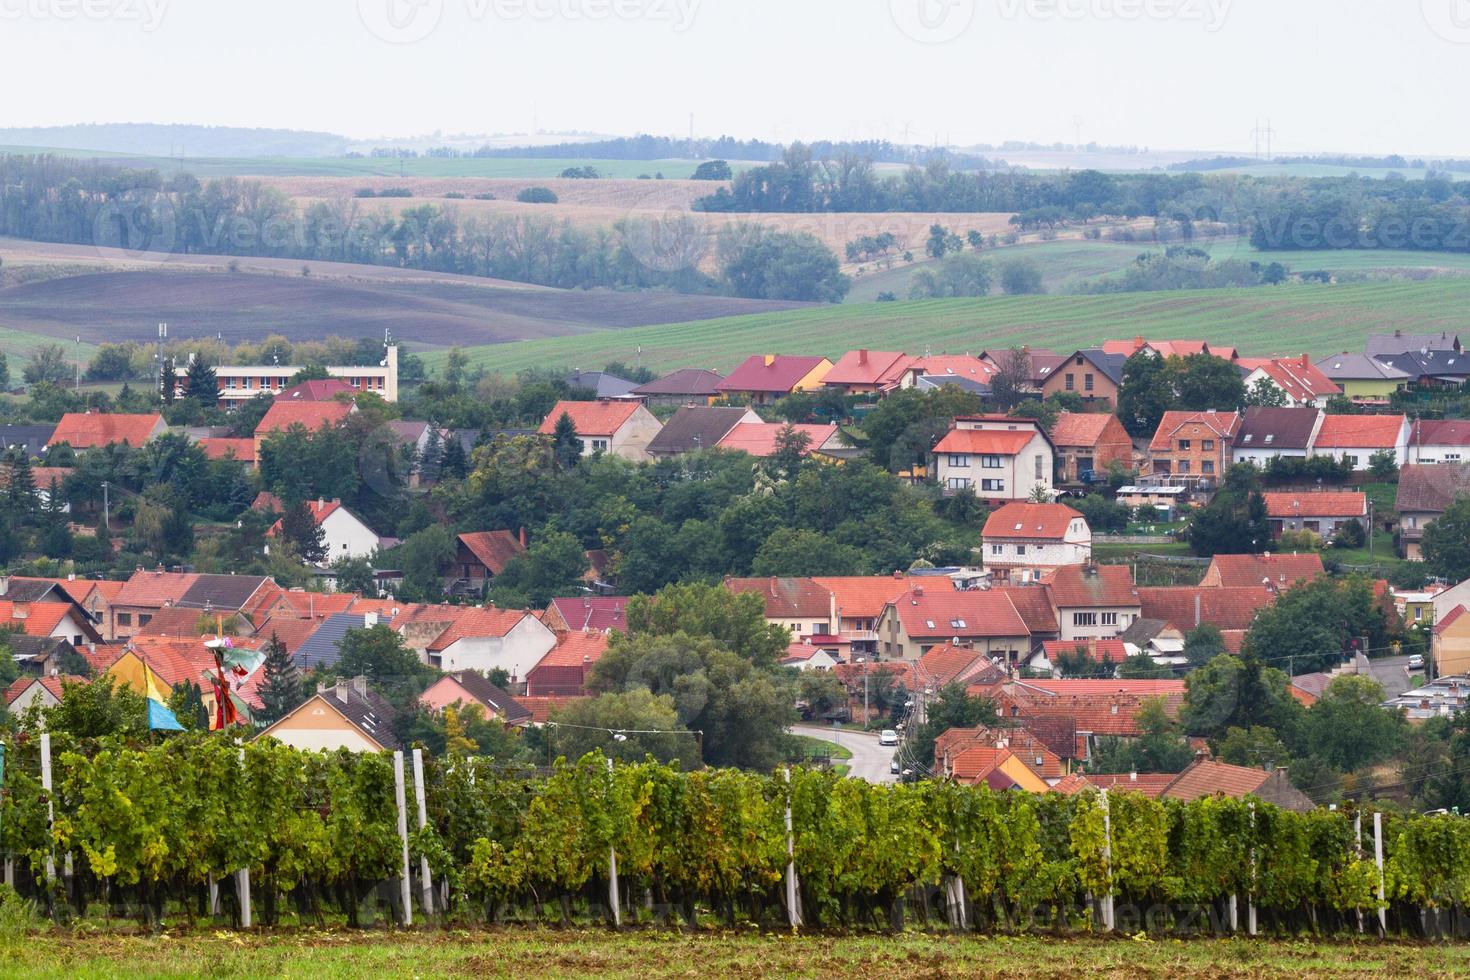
(1064, 263)
(1311, 318)
(422, 166)
(600, 953)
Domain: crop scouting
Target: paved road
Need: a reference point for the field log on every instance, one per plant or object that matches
(1392, 674)
(869, 759)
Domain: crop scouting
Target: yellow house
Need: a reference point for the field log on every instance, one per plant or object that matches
(347, 716)
(1451, 643)
(996, 767)
(1363, 378)
(767, 378)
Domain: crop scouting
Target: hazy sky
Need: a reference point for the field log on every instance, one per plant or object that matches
(1365, 75)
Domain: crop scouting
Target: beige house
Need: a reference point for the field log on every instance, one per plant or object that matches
(1451, 643)
(346, 716)
(999, 457)
(608, 426)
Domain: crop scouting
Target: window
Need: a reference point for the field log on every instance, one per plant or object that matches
(1084, 619)
(1207, 466)
(959, 482)
(1071, 383)
(125, 619)
(1350, 460)
(1020, 549)
(996, 486)
(599, 445)
(144, 619)
(1184, 445)
(990, 462)
(1270, 438)
(1110, 619)
(958, 624)
(997, 549)
(1418, 612)
(1451, 457)
(1208, 445)
(1087, 382)
(959, 459)
(1184, 466)
(1040, 468)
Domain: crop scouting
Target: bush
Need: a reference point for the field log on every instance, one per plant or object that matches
(712, 170)
(537, 195)
(1350, 535)
(1299, 541)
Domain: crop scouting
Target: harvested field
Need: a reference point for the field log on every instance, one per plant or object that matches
(624, 194)
(128, 305)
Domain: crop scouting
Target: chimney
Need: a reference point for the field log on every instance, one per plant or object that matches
(359, 684)
(770, 359)
(1306, 361)
(370, 619)
(863, 356)
(1133, 777)
(320, 503)
(341, 690)
(1197, 609)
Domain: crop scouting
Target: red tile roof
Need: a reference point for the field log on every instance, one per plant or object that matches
(863, 596)
(315, 605)
(316, 390)
(313, 415)
(576, 649)
(927, 614)
(1333, 503)
(292, 632)
(1206, 777)
(973, 764)
(1224, 608)
(87, 430)
(985, 442)
(1435, 432)
(1079, 428)
(868, 367)
(173, 659)
(1299, 378)
(759, 439)
(593, 612)
(493, 549)
(1245, 571)
(1077, 586)
(780, 376)
(320, 511)
(950, 664)
(242, 449)
(478, 622)
(1223, 424)
(1449, 619)
(1359, 431)
(599, 418)
(955, 365)
(37, 618)
(1034, 605)
(787, 598)
(1150, 784)
(1018, 520)
(542, 708)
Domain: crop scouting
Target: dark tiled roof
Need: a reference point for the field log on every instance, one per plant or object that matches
(480, 688)
(320, 649)
(1398, 342)
(601, 383)
(787, 598)
(686, 381)
(227, 592)
(695, 427)
(1111, 365)
(34, 590)
(31, 438)
(368, 712)
(1431, 488)
(1289, 428)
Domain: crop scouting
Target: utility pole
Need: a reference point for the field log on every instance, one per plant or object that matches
(79, 363)
(106, 515)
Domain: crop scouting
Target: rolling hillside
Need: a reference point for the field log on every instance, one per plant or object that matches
(1316, 319)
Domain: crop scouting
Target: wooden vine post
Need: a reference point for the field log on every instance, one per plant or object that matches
(404, 889)
(426, 882)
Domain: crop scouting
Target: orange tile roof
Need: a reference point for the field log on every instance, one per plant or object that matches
(1150, 784)
(1018, 520)
(312, 415)
(542, 707)
(1079, 428)
(949, 664)
(1244, 571)
(173, 659)
(599, 418)
(174, 621)
(867, 367)
(477, 622)
(955, 365)
(1224, 608)
(1299, 378)
(316, 605)
(1106, 651)
(1359, 431)
(759, 439)
(88, 430)
(292, 632)
(242, 449)
(154, 588)
(787, 598)
(52, 683)
(493, 549)
(35, 618)
(320, 510)
(927, 614)
(575, 649)
(1223, 424)
(1034, 605)
(863, 596)
(1023, 744)
(984, 442)
(1327, 503)
(1449, 619)
(1076, 586)
(1206, 777)
(976, 762)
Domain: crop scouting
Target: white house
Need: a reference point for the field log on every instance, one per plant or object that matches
(486, 638)
(1355, 438)
(1301, 383)
(1021, 540)
(615, 427)
(1266, 433)
(1439, 441)
(343, 533)
(999, 457)
(804, 656)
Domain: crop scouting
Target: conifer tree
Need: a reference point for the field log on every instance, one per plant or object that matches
(281, 691)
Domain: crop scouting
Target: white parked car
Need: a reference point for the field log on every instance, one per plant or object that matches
(889, 737)
(1416, 661)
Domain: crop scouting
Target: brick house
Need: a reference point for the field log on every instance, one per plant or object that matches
(1193, 444)
(1089, 442)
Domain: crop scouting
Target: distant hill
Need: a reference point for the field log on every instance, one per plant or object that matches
(163, 140)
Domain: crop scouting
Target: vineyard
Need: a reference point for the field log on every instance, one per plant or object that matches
(146, 830)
